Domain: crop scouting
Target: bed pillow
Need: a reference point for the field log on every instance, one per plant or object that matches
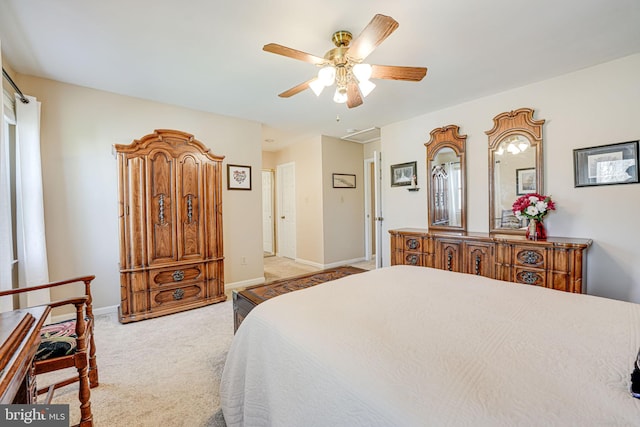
(635, 378)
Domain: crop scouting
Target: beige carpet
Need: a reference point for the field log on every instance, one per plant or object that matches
(279, 267)
(158, 372)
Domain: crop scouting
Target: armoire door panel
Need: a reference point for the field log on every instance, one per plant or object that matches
(135, 224)
(189, 193)
(212, 210)
(161, 208)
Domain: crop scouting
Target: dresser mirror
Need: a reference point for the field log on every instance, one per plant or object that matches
(515, 167)
(446, 179)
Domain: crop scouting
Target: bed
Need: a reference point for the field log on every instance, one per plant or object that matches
(410, 346)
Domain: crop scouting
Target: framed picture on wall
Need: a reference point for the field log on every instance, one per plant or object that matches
(606, 164)
(343, 180)
(238, 177)
(403, 174)
(525, 181)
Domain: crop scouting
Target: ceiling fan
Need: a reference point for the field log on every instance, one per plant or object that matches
(344, 66)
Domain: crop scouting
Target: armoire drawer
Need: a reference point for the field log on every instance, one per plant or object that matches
(178, 295)
(163, 277)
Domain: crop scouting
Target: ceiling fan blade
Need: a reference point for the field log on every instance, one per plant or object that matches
(293, 53)
(391, 72)
(380, 27)
(296, 89)
(354, 97)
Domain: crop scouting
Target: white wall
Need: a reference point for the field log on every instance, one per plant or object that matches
(343, 208)
(595, 106)
(79, 128)
(307, 157)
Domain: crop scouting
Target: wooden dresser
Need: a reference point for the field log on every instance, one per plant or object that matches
(170, 212)
(557, 263)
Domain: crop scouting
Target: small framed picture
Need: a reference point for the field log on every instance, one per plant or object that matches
(403, 174)
(525, 181)
(606, 164)
(238, 177)
(343, 180)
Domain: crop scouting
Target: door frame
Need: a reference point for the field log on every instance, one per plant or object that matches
(374, 216)
(272, 223)
(280, 189)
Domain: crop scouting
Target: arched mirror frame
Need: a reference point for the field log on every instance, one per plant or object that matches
(447, 137)
(517, 122)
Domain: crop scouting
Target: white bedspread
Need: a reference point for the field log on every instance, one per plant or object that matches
(409, 346)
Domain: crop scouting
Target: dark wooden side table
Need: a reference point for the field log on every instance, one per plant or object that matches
(19, 338)
(245, 300)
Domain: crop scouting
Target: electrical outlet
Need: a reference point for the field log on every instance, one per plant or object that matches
(243, 261)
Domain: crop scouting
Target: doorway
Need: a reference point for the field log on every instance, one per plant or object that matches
(268, 214)
(286, 204)
(373, 209)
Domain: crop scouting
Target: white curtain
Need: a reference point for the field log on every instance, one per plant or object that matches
(7, 114)
(453, 176)
(32, 249)
(497, 197)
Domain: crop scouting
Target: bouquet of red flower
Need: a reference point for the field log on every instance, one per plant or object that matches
(533, 206)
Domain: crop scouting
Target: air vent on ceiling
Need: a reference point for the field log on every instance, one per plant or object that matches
(363, 136)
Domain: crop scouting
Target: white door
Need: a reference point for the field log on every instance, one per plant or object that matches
(267, 212)
(369, 210)
(377, 191)
(286, 216)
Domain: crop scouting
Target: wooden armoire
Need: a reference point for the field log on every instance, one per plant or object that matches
(170, 214)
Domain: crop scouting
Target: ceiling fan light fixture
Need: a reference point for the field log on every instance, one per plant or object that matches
(366, 87)
(362, 72)
(340, 96)
(317, 86)
(327, 75)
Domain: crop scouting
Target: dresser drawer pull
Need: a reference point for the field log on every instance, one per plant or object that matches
(477, 265)
(449, 259)
(178, 294)
(178, 275)
(413, 244)
(412, 259)
(529, 277)
(530, 257)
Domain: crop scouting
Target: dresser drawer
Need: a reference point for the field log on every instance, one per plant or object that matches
(413, 258)
(530, 257)
(163, 277)
(530, 276)
(414, 244)
(177, 295)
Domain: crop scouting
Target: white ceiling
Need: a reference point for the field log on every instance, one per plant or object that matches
(207, 54)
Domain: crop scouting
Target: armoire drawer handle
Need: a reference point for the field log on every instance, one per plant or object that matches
(178, 275)
(178, 294)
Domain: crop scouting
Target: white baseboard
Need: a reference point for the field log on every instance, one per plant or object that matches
(244, 283)
(330, 265)
(96, 312)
